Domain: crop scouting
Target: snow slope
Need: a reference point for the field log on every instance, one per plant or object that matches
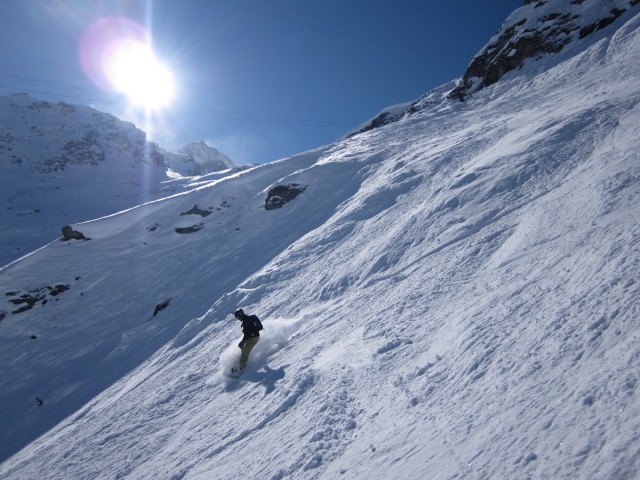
(453, 295)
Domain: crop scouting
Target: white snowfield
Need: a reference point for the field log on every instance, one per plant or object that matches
(455, 295)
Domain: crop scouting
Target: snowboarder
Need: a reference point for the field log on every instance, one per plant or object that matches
(251, 327)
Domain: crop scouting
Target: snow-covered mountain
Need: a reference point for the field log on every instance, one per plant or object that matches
(531, 32)
(197, 159)
(450, 295)
(63, 163)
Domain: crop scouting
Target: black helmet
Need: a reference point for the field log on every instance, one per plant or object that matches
(238, 313)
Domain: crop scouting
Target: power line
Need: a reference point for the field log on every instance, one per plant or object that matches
(315, 17)
(17, 77)
(181, 108)
(350, 33)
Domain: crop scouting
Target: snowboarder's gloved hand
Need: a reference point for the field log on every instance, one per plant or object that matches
(241, 344)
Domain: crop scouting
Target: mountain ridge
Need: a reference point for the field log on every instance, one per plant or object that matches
(64, 163)
(539, 28)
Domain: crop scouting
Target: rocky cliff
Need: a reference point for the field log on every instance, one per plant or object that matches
(539, 28)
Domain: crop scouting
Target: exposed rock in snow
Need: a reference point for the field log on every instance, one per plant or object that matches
(68, 233)
(30, 298)
(280, 195)
(190, 229)
(540, 27)
(161, 306)
(197, 211)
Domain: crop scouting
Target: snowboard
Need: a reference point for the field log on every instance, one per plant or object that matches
(234, 373)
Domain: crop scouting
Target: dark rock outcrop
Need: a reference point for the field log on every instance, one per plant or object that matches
(161, 306)
(68, 233)
(191, 229)
(32, 297)
(603, 22)
(383, 119)
(85, 151)
(280, 195)
(393, 114)
(538, 33)
(197, 211)
(540, 27)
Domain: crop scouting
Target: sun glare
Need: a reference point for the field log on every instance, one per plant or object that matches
(116, 54)
(133, 69)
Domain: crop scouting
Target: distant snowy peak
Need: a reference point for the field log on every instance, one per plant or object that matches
(196, 159)
(205, 154)
(49, 137)
(538, 28)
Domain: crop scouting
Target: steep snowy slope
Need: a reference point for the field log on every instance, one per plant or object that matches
(454, 295)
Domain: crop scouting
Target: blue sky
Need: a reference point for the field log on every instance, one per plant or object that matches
(257, 79)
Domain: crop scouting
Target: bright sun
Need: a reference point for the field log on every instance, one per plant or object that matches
(116, 54)
(133, 69)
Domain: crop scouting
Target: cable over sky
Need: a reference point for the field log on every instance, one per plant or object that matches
(94, 96)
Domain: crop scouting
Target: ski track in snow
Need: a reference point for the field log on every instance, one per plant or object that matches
(452, 296)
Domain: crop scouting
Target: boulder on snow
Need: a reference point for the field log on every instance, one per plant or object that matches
(191, 229)
(68, 233)
(197, 211)
(282, 194)
(161, 306)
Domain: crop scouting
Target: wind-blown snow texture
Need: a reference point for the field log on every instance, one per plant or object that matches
(454, 295)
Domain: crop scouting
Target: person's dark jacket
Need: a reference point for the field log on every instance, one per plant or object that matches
(250, 326)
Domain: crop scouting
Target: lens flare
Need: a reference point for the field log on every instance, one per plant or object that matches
(134, 70)
(116, 54)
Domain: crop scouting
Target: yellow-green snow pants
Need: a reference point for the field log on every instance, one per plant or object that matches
(245, 350)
